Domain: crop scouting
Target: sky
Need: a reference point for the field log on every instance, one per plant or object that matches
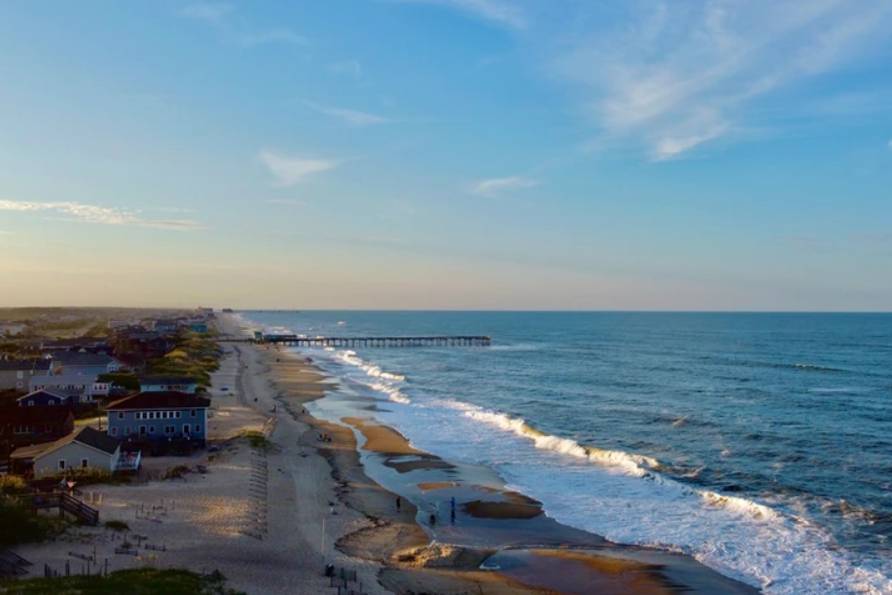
(447, 154)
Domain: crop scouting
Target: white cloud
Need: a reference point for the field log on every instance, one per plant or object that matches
(211, 12)
(500, 12)
(289, 170)
(496, 186)
(285, 36)
(350, 116)
(704, 65)
(97, 214)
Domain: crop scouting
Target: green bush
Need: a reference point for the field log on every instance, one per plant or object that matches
(13, 484)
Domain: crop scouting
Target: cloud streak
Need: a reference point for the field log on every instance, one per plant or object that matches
(349, 116)
(499, 12)
(493, 187)
(85, 213)
(217, 15)
(289, 170)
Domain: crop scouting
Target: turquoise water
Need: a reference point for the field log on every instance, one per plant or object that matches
(759, 443)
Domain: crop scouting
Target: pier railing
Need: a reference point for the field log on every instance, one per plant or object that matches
(425, 341)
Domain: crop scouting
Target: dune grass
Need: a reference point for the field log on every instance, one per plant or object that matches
(139, 581)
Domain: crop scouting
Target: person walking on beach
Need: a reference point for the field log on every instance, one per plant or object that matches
(452, 509)
(399, 503)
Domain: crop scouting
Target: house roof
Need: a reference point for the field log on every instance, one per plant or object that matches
(77, 358)
(96, 439)
(25, 364)
(159, 400)
(37, 393)
(87, 435)
(39, 414)
(167, 380)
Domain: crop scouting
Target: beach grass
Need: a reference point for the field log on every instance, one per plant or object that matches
(139, 581)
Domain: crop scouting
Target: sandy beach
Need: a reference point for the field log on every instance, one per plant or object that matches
(272, 515)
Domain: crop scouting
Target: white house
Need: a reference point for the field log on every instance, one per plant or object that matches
(86, 448)
(80, 386)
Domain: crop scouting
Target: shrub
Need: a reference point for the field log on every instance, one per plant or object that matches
(115, 525)
(20, 525)
(13, 484)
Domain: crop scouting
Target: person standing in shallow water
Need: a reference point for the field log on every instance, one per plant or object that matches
(452, 509)
(399, 503)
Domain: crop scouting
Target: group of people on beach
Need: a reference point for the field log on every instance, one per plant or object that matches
(324, 437)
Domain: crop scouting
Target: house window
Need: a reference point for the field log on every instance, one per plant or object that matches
(114, 431)
(168, 429)
(151, 429)
(84, 463)
(197, 429)
(142, 430)
(186, 429)
(61, 464)
(120, 415)
(31, 403)
(127, 431)
(193, 413)
(178, 414)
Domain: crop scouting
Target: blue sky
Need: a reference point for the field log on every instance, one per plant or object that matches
(447, 154)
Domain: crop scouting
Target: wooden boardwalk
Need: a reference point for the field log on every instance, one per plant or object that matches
(425, 341)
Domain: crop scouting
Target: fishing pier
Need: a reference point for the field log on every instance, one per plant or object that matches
(425, 341)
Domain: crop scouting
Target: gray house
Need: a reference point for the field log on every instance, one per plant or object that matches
(79, 363)
(16, 373)
(157, 416)
(159, 384)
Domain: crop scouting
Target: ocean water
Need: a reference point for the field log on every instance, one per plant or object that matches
(761, 444)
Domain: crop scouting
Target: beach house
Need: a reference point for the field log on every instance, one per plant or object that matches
(20, 426)
(160, 384)
(86, 363)
(86, 448)
(16, 373)
(44, 398)
(77, 386)
(159, 416)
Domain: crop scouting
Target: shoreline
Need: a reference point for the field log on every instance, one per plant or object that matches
(533, 552)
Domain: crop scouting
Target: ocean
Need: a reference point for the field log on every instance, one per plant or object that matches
(759, 443)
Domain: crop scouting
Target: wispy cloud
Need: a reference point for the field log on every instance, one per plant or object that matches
(289, 170)
(499, 12)
(348, 68)
(285, 36)
(210, 12)
(496, 186)
(286, 202)
(672, 78)
(218, 15)
(350, 116)
(85, 213)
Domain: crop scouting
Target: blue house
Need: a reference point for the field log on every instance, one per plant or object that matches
(45, 398)
(159, 416)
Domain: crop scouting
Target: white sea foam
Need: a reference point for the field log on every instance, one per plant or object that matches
(387, 383)
(626, 498)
